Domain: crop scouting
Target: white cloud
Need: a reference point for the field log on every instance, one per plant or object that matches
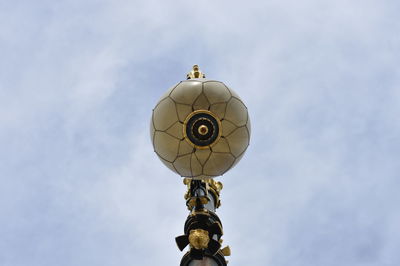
(81, 186)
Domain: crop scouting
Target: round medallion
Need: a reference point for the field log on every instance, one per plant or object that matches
(202, 129)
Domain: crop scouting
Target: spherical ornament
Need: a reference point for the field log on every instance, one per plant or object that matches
(200, 128)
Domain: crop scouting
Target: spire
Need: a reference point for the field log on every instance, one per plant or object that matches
(195, 73)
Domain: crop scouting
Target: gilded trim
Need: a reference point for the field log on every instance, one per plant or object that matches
(202, 112)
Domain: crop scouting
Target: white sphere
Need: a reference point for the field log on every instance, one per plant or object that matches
(200, 128)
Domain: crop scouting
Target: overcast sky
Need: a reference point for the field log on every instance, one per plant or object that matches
(81, 186)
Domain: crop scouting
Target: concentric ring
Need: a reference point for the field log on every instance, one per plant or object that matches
(202, 129)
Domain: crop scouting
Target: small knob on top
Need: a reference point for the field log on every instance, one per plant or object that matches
(195, 73)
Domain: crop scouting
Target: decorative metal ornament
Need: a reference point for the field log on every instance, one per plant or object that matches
(200, 129)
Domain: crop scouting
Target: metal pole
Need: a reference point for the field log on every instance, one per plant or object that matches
(203, 228)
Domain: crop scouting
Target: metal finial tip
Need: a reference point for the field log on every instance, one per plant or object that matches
(195, 73)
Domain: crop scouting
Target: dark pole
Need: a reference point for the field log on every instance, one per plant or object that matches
(203, 228)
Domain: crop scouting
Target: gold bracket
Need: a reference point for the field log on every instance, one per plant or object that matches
(226, 251)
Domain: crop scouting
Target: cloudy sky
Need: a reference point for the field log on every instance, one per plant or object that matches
(81, 186)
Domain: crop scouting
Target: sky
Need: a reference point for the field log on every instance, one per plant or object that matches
(81, 185)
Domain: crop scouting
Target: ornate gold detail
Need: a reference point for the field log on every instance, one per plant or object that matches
(192, 201)
(216, 185)
(203, 130)
(215, 188)
(226, 251)
(186, 122)
(186, 181)
(195, 73)
(194, 212)
(199, 239)
(212, 186)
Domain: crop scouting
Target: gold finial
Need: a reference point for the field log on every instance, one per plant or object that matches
(198, 238)
(195, 73)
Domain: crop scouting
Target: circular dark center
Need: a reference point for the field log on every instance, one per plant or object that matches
(202, 129)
